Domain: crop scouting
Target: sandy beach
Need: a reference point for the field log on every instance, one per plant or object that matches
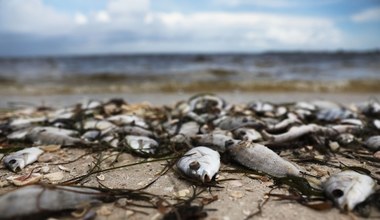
(237, 195)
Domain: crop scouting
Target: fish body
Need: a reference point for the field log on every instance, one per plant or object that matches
(260, 158)
(142, 144)
(50, 136)
(38, 200)
(201, 163)
(348, 188)
(18, 160)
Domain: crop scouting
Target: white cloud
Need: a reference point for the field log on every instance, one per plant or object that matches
(275, 3)
(32, 16)
(372, 14)
(80, 19)
(102, 16)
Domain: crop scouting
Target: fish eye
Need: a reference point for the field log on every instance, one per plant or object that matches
(13, 161)
(337, 193)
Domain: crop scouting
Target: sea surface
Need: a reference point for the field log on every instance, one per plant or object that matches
(290, 71)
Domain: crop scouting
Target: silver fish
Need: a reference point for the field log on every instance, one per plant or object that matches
(38, 200)
(298, 131)
(45, 137)
(216, 141)
(201, 163)
(16, 161)
(121, 120)
(247, 134)
(348, 188)
(373, 143)
(141, 144)
(259, 157)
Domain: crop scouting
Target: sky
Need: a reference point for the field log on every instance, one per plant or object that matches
(82, 27)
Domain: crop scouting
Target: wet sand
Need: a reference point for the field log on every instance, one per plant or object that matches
(236, 199)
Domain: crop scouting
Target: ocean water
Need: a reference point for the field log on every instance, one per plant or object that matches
(342, 71)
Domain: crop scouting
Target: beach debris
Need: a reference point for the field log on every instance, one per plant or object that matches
(348, 188)
(141, 144)
(25, 179)
(200, 163)
(260, 158)
(16, 161)
(37, 200)
(272, 141)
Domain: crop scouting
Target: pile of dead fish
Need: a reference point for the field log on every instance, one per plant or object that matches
(201, 129)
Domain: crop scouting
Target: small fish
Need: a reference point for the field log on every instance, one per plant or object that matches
(16, 161)
(348, 188)
(201, 163)
(373, 143)
(141, 144)
(121, 120)
(216, 141)
(37, 200)
(50, 136)
(247, 134)
(260, 158)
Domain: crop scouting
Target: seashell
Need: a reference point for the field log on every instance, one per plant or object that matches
(26, 179)
(376, 123)
(64, 168)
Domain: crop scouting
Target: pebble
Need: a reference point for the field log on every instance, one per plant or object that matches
(54, 177)
(46, 157)
(235, 183)
(104, 211)
(101, 177)
(64, 168)
(50, 148)
(182, 193)
(236, 194)
(377, 154)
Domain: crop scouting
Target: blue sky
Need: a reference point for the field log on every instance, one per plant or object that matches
(67, 27)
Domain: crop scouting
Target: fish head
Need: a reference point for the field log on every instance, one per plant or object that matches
(199, 170)
(348, 189)
(14, 163)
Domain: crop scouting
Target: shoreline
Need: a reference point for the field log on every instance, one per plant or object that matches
(160, 98)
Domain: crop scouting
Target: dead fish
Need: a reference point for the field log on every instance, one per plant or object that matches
(201, 163)
(63, 131)
(91, 135)
(37, 200)
(93, 124)
(262, 107)
(333, 114)
(203, 103)
(373, 143)
(216, 141)
(260, 158)
(16, 161)
(299, 131)
(46, 137)
(230, 123)
(134, 130)
(141, 144)
(247, 134)
(291, 120)
(348, 188)
(20, 123)
(121, 120)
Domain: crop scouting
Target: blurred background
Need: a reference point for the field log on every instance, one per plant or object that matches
(63, 47)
